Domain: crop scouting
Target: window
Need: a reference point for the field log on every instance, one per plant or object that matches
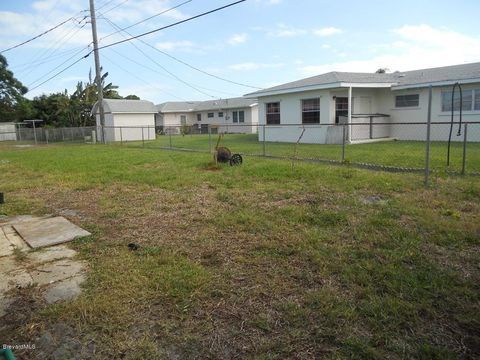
(210, 115)
(477, 99)
(220, 114)
(406, 100)
(241, 116)
(183, 120)
(467, 96)
(199, 117)
(311, 111)
(238, 116)
(273, 113)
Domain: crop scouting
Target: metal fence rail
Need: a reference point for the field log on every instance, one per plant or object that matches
(373, 143)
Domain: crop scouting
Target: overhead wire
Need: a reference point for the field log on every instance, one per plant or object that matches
(144, 20)
(139, 78)
(37, 36)
(173, 24)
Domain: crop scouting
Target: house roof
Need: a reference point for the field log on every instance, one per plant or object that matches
(193, 106)
(396, 80)
(177, 106)
(126, 106)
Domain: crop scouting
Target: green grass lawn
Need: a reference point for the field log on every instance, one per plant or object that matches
(394, 153)
(268, 260)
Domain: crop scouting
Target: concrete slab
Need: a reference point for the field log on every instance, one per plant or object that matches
(50, 254)
(64, 290)
(56, 271)
(17, 242)
(47, 232)
(6, 247)
(15, 277)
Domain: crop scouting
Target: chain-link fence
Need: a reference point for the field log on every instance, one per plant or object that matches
(366, 142)
(40, 135)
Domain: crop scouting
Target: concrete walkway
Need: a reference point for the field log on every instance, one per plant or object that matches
(52, 269)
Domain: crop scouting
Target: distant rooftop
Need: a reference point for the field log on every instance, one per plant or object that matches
(405, 79)
(126, 106)
(191, 106)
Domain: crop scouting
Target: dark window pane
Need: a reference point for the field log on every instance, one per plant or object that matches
(235, 116)
(241, 116)
(273, 119)
(210, 115)
(311, 117)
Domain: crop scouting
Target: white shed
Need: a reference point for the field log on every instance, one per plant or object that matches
(127, 120)
(8, 131)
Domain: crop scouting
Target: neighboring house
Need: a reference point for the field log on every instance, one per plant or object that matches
(127, 120)
(369, 99)
(235, 115)
(8, 131)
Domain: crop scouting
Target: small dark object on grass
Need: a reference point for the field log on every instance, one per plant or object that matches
(2, 200)
(133, 246)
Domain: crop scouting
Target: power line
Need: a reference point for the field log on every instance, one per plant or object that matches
(139, 78)
(37, 36)
(161, 66)
(58, 73)
(174, 24)
(196, 87)
(149, 18)
(113, 8)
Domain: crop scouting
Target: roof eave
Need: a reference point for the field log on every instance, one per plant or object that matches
(320, 87)
(435, 84)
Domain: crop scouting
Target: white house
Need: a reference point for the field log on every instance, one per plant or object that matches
(315, 105)
(127, 120)
(234, 115)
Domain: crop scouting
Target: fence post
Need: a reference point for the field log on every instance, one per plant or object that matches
(343, 143)
(263, 140)
(170, 137)
(19, 132)
(209, 138)
(464, 157)
(143, 138)
(427, 147)
(46, 136)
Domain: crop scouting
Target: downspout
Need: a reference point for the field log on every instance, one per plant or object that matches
(350, 115)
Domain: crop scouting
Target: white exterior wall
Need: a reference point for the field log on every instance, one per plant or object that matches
(225, 123)
(439, 132)
(131, 127)
(7, 132)
(366, 101)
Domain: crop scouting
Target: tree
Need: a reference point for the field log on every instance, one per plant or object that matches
(132, 97)
(381, 71)
(12, 102)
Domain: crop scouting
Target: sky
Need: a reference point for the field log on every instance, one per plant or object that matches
(254, 44)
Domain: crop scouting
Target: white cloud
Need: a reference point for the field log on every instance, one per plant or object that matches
(182, 45)
(253, 66)
(283, 30)
(327, 31)
(238, 39)
(417, 46)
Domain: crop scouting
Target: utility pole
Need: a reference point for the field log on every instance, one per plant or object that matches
(98, 75)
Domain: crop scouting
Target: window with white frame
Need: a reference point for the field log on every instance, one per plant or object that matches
(273, 113)
(410, 100)
(199, 117)
(210, 115)
(467, 100)
(238, 116)
(311, 111)
(220, 114)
